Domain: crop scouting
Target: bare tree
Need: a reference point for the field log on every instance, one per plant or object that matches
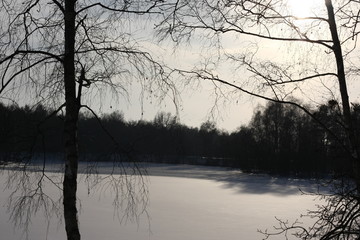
(314, 50)
(59, 51)
(271, 21)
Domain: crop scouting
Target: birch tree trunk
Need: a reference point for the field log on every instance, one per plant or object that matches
(350, 131)
(70, 128)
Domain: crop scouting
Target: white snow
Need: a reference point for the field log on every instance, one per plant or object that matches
(185, 203)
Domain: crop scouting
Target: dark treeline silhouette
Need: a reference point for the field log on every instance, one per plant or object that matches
(279, 139)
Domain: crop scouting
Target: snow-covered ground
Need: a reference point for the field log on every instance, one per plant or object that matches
(185, 203)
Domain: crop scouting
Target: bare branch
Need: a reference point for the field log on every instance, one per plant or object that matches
(30, 52)
(124, 9)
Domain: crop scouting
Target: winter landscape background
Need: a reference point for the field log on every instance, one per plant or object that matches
(185, 202)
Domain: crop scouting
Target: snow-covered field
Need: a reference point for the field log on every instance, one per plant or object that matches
(185, 203)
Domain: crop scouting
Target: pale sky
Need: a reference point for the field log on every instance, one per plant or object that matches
(198, 101)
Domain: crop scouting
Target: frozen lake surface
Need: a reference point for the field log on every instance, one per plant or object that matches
(185, 203)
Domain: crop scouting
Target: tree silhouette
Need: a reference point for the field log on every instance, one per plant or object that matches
(60, 51)
(269, 21)
(330, 28)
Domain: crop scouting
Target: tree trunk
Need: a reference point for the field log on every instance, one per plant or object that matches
(70, 128)
(343, 91)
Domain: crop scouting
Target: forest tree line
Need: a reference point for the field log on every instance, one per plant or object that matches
(280, 138)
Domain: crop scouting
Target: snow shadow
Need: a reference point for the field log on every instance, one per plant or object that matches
(230, 178)
(237, 180)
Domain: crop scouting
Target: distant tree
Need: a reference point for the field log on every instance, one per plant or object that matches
(302, 146)
(289, 140)
(243, 146)
(208, 126)
(164, 120)
(207, 133)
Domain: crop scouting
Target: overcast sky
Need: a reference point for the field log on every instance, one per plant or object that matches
(238, 108)
(198, 101)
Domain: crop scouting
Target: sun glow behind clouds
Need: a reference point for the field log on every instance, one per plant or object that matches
(303, 8)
